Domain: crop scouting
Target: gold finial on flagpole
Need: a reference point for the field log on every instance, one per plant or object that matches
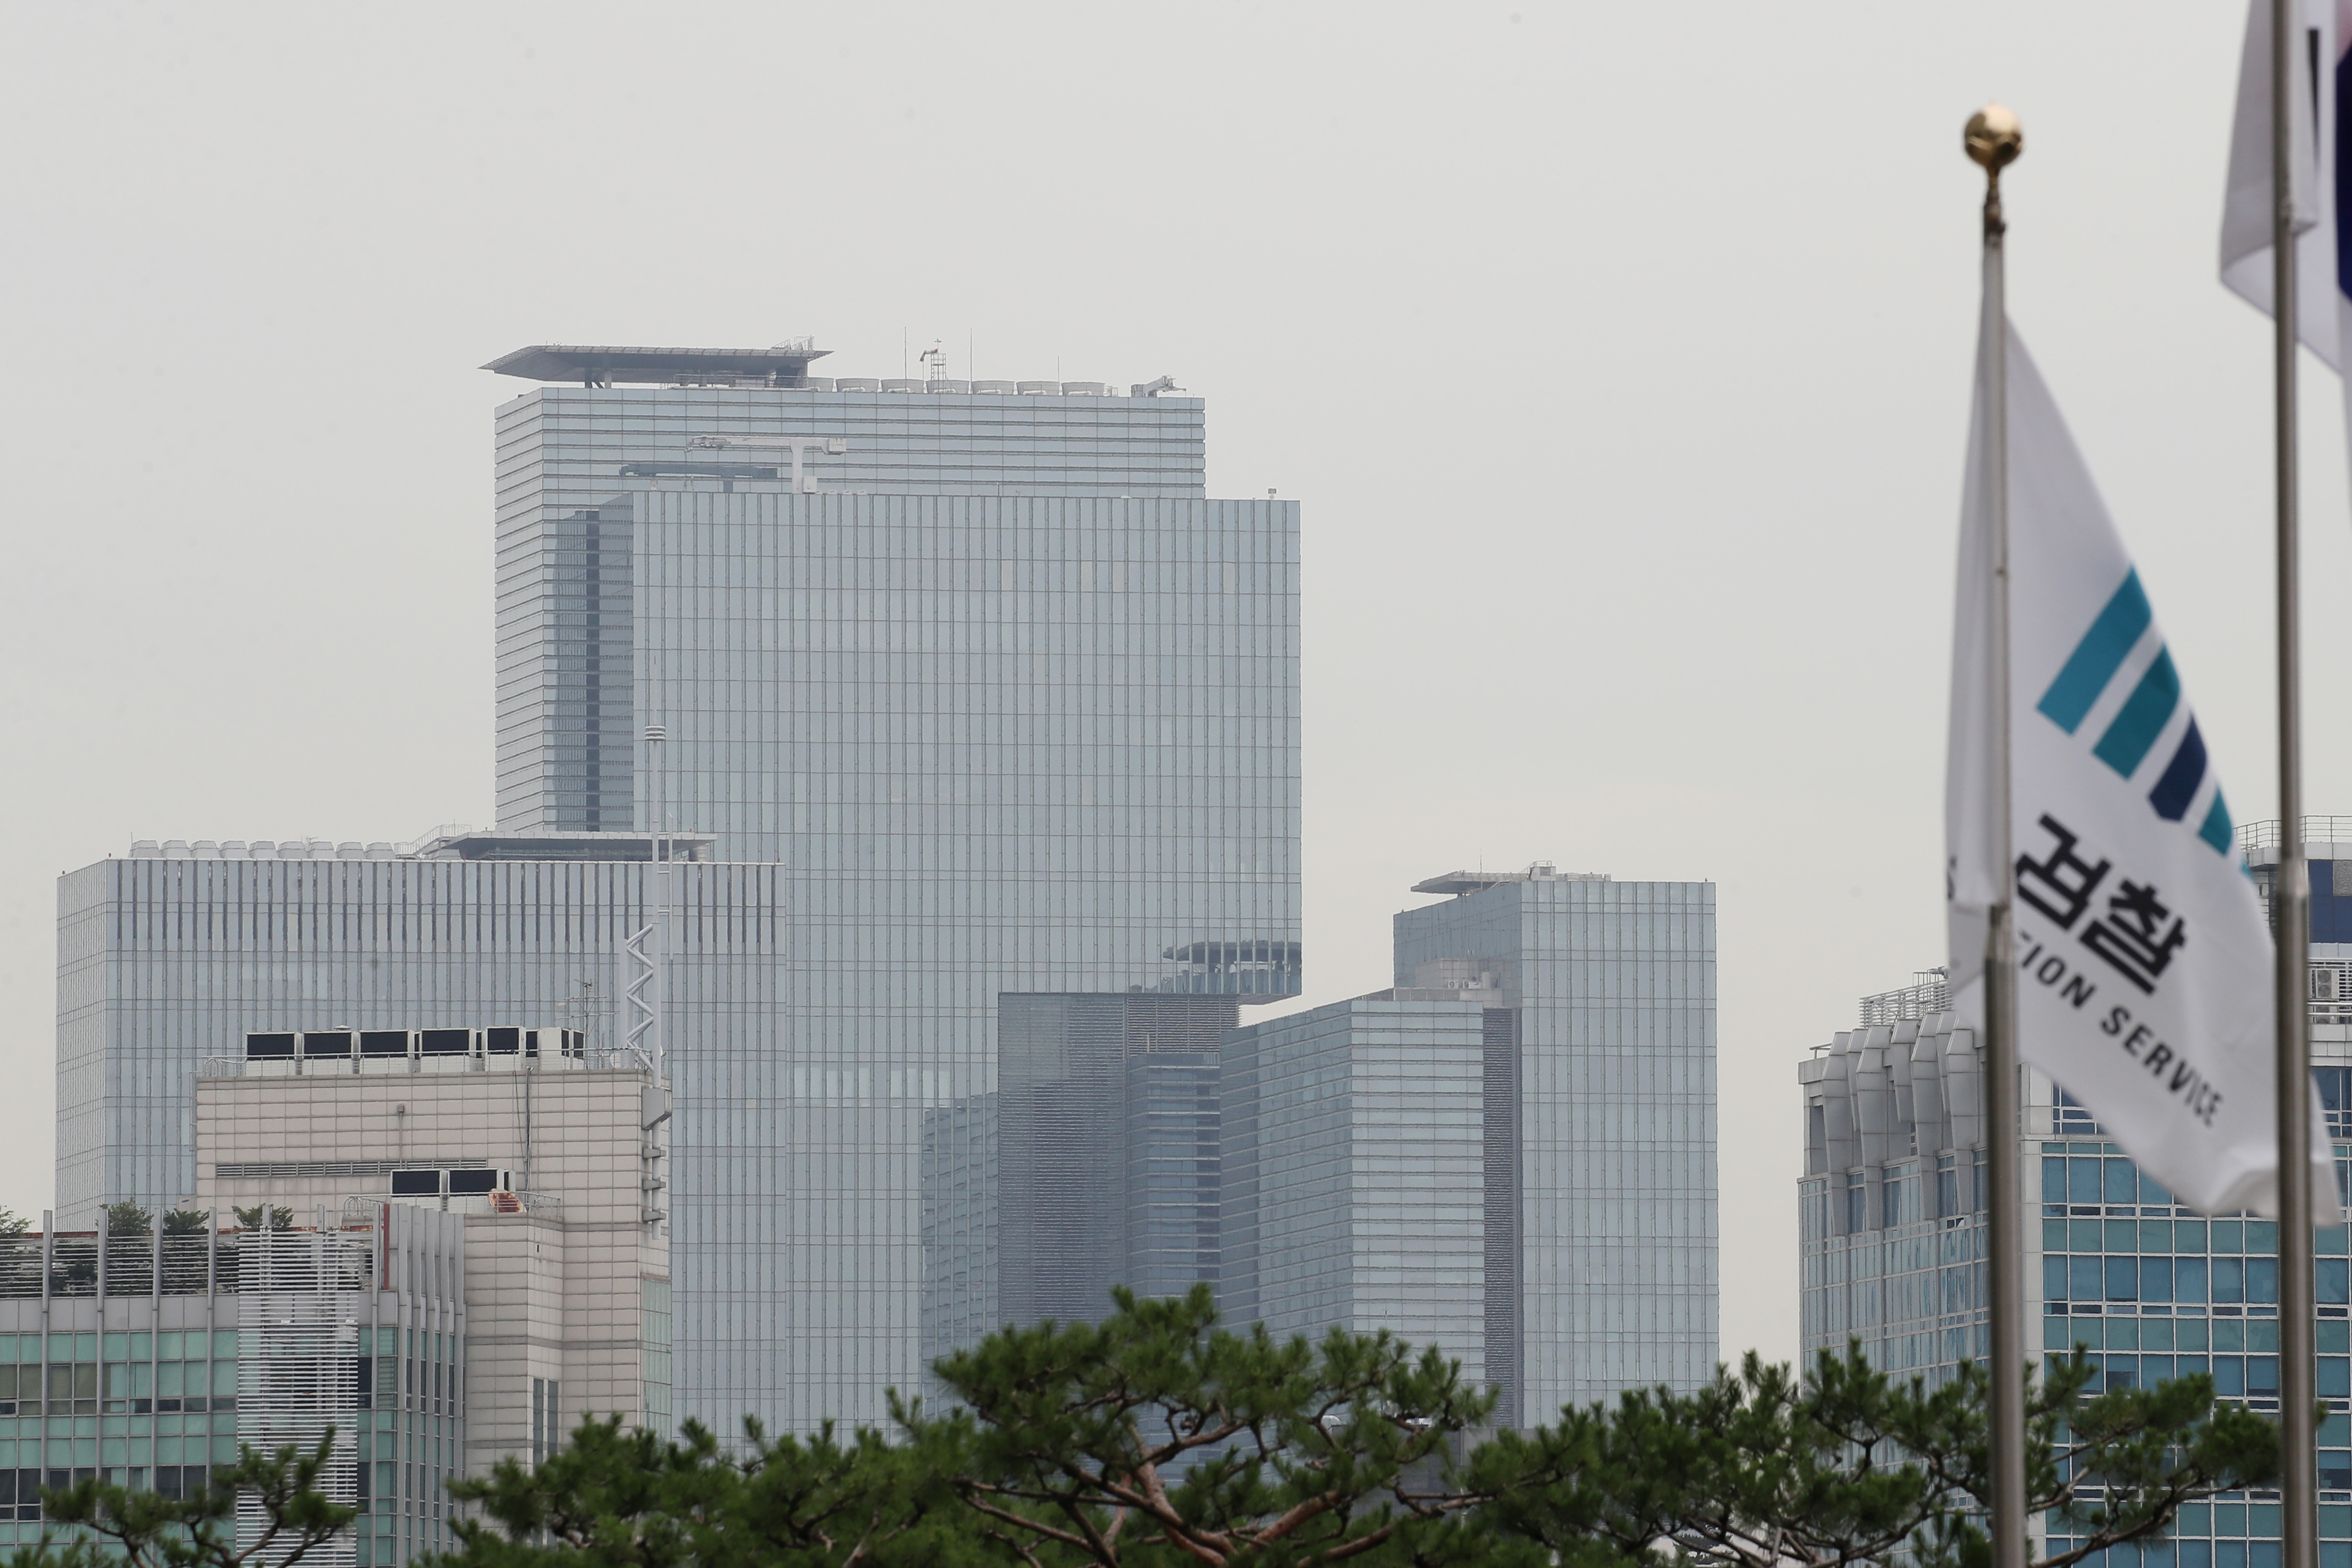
(1995, 139)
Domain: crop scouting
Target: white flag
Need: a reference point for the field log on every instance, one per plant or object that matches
(2143, 959)
(2323, 314)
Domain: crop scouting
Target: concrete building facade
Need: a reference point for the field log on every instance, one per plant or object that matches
(554, 1161)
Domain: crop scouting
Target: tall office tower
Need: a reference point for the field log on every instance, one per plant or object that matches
(1511, 1152)
(576, 463)
(1603, 1072)
(1892, 1224)
(1010, 703)
(1355, 1175)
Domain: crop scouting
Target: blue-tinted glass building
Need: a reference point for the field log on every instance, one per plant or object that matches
(1892, 1234)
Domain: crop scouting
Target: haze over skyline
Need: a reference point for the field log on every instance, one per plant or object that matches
(1618, 357)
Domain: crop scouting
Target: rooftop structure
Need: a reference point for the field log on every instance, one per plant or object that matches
(781, 368)
(1460, 883)
(784, 364)
(449, 842)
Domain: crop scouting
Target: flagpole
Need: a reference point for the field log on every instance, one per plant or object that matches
(2290, 886)
(1994, 139)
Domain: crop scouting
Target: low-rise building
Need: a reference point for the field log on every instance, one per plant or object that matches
(147, 1357)
(548, 1157)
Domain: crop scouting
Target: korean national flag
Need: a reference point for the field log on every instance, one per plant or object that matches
(2322, 208)
(2144, 957)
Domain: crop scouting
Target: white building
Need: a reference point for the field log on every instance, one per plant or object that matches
(553, 1157)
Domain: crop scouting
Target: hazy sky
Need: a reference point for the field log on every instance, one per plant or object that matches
(1617, 354)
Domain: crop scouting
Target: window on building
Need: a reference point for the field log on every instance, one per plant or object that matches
(546, 1418)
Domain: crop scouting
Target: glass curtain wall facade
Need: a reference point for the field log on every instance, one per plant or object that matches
(153, 1367)
(1610, 1061)
(163, 962)
(571, 459)
(1101, 1146)
(1020, 714)
(1355, 1175)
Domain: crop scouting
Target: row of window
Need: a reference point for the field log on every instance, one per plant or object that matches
(2182, 1280)
(20, 1489)
(171, 1345)
(135, 1387)
(2193, 1553)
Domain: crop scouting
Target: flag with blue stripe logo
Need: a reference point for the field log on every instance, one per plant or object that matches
(2144, 956)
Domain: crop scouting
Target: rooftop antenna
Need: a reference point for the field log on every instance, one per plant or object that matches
(935, 364)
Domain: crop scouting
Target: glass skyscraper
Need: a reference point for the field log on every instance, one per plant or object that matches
(1355, 1173)
(969, 691)
(1893, 1230)
(1602, 1106)
(1510, 1153)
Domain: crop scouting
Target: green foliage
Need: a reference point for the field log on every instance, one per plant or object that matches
(616, 1498)
(1155, 1438)
(127, 1218)
(127, 1529)
(188, 1222)
(1851, 1467)
(280, 1217)
(12, 1222)
(2151, 1451)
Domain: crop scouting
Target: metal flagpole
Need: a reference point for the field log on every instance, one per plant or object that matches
(2291, 886)
(1994, 139)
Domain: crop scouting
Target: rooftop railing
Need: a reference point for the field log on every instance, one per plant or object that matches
(79, 1263)
(2316, 830)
